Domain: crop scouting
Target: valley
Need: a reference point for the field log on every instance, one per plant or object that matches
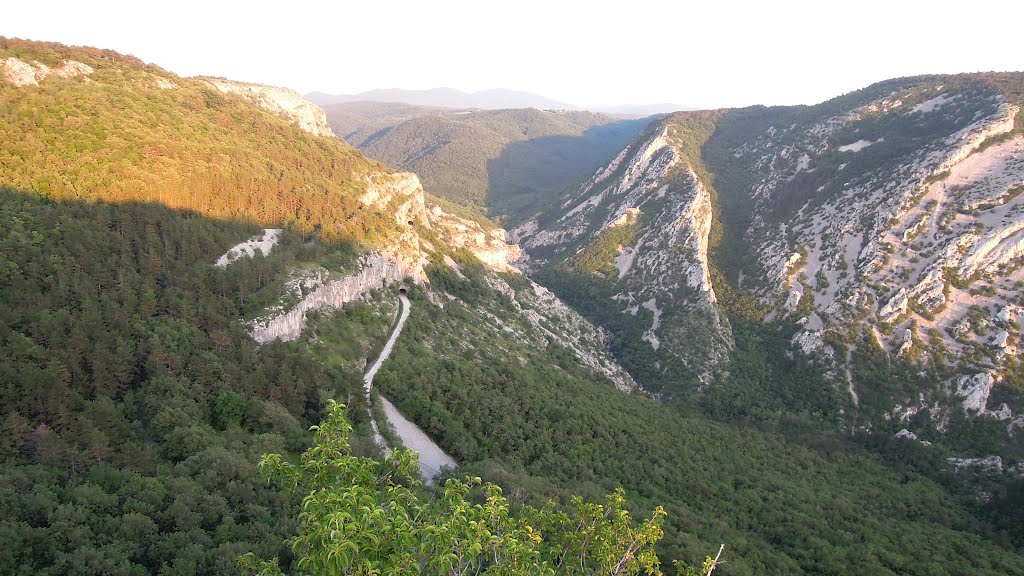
(791, 330)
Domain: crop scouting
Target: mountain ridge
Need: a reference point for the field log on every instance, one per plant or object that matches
(490, 99)
(904, 140)
(136, 401)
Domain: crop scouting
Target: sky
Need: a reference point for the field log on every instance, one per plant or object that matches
(711, 54)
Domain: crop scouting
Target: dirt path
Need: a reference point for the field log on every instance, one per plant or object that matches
(432, 457)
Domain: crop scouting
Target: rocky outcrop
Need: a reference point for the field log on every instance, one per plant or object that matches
(488, 246)
(376, 270)
(989, 464)
(555, 322)
(665, 271)
(399, 194)
(282, 101)
(21, 73)
(913, 244)
(263, 243)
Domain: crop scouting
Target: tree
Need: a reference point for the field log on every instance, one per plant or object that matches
(361, 516)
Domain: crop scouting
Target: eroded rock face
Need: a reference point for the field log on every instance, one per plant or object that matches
(376, 270)
(488, 246)
(21, 73)
(665, 270)
(283, 101)
(401, 195)
(975, 391)
(928, 240)
(263, 243)
(544, 318)
(552, 321)
(990, 464)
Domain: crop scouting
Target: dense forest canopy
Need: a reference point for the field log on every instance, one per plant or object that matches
(135, 408)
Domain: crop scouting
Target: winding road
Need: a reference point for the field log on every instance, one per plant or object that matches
(432, 457)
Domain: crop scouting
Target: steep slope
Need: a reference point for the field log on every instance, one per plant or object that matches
(875, 235)
(127, 131)
(634, 239)
(152, 229)
(784, 503)
(186, 277)
(502, 160)
(288, 103)
(888, 218)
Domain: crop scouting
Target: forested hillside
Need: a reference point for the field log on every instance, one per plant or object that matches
(136, 404)
(802, 264)
(788, 498)
(129, 131)
(505, 162)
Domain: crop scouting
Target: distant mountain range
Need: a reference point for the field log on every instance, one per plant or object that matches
(494, 99)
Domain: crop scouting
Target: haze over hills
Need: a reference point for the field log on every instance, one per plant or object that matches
(500, 161)
(493, 99)
(192, 268)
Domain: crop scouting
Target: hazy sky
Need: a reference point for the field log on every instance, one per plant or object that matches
(707, 54)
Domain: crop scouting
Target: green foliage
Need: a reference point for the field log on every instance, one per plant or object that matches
(229, 408)
(597, 256)
(782, 493)
(133, 403)
(361, 516)
(659, 371)
(118, 137)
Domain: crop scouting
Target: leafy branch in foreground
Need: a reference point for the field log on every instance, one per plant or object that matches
(361, 516)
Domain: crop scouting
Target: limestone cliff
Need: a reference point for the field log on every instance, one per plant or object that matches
(897, 214)
(283, 101)
(22, 73)
(541, 318)
(376, 270)
(663, 269)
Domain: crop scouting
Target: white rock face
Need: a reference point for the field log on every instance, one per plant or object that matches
(282, 101)
(896, 306)
(628, 217)
(991, 464)
(1005, 315)
(975, 391)
(403, 188)
(793, 299)
(928, 239)
(264, 243)
(21, 73)
(651, 335)
(857, 146)
(695, 226)
(908, 343)
(401, 194)
(488, 247)
(624, 261)
(906, 434)
(666, 267)
(1000, 339)
(810, 342)
(933, 104)
(377, 270)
